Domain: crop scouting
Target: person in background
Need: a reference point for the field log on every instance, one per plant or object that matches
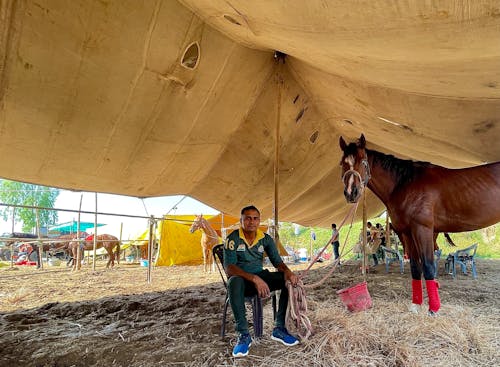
(370, 235)
(243, 256)
(335, 241)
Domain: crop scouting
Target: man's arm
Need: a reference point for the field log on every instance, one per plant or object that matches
(262, 288)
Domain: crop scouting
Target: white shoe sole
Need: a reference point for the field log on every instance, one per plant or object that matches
(237, 355)
(282, 342)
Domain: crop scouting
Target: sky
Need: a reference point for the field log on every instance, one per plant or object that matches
(118, 204)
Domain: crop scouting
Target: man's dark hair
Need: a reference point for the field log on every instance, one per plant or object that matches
(250, 207)
(334, 225)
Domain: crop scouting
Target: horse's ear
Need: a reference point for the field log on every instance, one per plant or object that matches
(362, 141)
(342, 143)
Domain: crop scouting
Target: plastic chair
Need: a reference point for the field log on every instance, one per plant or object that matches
(463, 257)
(437, 257)
(391, 256)
(254, 300)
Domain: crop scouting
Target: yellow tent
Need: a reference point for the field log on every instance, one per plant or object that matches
(179, 247)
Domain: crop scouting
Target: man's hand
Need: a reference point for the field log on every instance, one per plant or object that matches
(262, 288)
(291, 277)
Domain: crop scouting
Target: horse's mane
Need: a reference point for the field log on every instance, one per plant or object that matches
(403, 170)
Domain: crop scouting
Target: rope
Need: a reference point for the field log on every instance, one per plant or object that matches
(296, 311)
(297, 304)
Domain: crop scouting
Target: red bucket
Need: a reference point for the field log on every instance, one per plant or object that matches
(356, 298)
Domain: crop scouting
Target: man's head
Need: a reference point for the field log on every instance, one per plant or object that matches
(334, 226)
(250, 218)
(368, 224)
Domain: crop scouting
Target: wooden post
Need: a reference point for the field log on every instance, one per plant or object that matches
(387, 231)
(120, 243)
(150, 247)
(39, 243)
(79, 248)
(95, 234)
(365, 240)
(277, 156)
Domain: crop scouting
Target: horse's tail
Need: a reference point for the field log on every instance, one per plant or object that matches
(449, 240)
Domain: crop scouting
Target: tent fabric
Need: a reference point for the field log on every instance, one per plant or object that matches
(177, 245)
(108, 87)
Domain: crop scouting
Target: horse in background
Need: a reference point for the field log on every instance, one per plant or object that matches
(107, 241)
(422, 200)
(209, 238)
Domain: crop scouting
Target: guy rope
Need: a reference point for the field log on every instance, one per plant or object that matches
(297, 305)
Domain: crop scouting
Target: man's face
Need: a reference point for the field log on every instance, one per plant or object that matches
(250, 220)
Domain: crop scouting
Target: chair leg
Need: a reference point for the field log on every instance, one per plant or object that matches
(258, 318)
(224, 314)
(275, 308)
(473, 268)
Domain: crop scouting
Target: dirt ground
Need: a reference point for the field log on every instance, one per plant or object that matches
(55, 317)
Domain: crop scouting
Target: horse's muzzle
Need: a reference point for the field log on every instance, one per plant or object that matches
(353, 196)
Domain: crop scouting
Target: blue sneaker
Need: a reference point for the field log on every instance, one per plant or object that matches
(242, 345)
(281, 334)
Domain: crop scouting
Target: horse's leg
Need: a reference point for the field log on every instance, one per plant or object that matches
(111, 256)
(423, 238)
(416, 272)
(204, 251)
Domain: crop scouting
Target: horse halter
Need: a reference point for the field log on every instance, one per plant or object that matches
(363, 182)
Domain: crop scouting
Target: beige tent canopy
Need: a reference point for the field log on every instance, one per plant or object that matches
(166, 97)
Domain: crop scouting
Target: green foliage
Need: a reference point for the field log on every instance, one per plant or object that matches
(17, 193)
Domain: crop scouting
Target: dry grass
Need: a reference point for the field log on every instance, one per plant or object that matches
(175, 321)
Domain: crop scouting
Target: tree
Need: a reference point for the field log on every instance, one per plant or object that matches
(18, 193)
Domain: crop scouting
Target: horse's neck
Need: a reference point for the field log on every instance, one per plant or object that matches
(209, 232)
(382, 182)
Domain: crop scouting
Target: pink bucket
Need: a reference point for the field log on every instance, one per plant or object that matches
(356, 298)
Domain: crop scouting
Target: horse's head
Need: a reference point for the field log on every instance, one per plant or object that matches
(355, 168)
(197, 224)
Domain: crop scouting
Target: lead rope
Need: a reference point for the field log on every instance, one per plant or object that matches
(297, 304)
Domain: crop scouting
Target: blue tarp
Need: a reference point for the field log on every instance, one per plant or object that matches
(71, 227)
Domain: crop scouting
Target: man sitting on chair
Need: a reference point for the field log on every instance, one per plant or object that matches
(243, 256)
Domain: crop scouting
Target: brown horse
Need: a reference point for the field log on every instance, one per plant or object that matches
(209, 239)
(423, 200)
(107, 241)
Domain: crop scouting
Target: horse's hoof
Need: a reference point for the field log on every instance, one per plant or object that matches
(414, 308)
(433, 314)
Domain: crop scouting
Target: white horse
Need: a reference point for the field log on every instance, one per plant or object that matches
(209, 239)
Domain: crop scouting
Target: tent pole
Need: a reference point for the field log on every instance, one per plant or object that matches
(279, 82)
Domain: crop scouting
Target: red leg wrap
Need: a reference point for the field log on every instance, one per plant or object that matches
(432, 292)
(417, 296)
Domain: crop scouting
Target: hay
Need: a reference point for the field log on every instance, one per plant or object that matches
(115, 318)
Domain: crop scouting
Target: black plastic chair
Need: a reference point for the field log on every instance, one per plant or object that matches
(254, 300)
